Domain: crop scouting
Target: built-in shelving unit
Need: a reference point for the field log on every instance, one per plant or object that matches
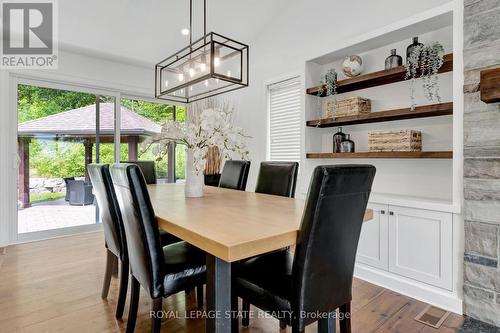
(432, 110)
(388, 154)
(375, 79)
(413, 191)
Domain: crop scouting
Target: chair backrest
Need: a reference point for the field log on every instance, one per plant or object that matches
(109, 210)
(148, 169)
(141, 228)
(66, 183)
(235, 174)
(328, 237)
(278, 178)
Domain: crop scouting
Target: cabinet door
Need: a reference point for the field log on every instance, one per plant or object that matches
(421, 245)
(373, 242)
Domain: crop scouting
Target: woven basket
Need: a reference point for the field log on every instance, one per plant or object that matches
(346, 107)
(403, 140)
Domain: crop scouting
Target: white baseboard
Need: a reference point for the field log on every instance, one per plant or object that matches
(423, 292)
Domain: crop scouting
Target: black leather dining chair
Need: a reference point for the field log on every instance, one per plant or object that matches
(148, 169)
(161, 271)
(318, 277)
(277, 178)
(234, 175)
(114, 234)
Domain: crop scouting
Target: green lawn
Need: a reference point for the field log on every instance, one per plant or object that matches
(41, 197)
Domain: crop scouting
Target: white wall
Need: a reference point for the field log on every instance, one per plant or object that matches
(305, 30)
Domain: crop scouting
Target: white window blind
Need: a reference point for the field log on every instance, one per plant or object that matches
(284, 127)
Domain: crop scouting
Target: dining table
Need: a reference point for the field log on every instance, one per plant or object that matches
(229, 226)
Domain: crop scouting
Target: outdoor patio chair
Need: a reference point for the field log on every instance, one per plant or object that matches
(80, 193)
(66, 183)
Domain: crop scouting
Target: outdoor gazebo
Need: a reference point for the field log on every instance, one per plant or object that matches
(79, 126)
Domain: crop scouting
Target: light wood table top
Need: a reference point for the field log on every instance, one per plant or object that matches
(229, 224)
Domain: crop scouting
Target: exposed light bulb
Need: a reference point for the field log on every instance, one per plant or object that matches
(206, 83)
(191, 72)
(216, 61)
(182, 91)
(203, 67)
(216, 80)
(185, 31)
(166, 83)
(191, 88)
(228, 73)
(181, 77)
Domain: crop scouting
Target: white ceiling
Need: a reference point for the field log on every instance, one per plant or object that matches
(147, 31)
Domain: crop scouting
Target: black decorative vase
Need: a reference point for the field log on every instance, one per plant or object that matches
(337, 140)
(347, 146)
(411, 47)
(393, 60)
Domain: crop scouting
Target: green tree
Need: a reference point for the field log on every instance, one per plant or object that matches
(52, 158)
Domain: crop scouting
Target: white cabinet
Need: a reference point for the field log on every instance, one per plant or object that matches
(373, 242)
(421, 245)
(410, 242)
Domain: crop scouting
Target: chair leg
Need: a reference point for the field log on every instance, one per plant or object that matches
(199, 296)
(134, 304)
(122, 294)
(328, 325)
(157, 307)
(245, 314)
(111, 259)
(345, 318)
(295, 329)
(282, 325)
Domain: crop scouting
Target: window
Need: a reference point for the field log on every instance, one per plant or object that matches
(284, 120)
(139, 121)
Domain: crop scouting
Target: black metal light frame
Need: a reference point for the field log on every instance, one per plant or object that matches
(208, 44)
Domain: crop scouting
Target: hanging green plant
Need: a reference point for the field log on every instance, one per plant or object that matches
(424, 62)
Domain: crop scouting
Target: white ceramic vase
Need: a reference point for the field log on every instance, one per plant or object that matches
(194, 182)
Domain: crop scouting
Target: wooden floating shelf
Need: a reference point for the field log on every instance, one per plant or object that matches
(424, 111)
(490, 85)
(389, 154)
(379, 78)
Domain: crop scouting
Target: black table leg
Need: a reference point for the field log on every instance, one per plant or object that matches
(327, 325)
(218, 295)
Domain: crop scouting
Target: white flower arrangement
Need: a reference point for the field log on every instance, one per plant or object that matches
(210, 127)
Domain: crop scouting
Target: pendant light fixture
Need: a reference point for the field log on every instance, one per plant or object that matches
(209, 66)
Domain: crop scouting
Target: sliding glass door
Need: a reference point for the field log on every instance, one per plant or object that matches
(140, 121)
(59, 133)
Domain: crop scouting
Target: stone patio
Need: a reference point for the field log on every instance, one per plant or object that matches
(54, 215)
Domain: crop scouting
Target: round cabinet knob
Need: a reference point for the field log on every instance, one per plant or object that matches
(382, 212)
(391, 213)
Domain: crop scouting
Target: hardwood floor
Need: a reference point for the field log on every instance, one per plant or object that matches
(55, 286)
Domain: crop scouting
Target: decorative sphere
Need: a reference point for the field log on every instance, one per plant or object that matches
(352, 66)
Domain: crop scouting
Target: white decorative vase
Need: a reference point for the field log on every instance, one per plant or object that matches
(194, 182)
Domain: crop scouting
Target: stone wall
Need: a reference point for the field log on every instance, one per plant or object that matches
(481, 165)
(47, 185)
